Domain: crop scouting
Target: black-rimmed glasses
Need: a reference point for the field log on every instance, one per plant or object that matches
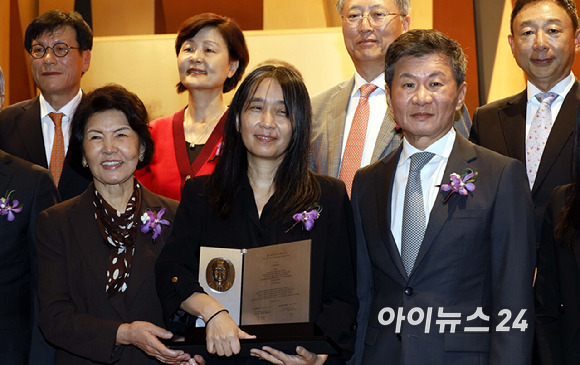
(58, 49)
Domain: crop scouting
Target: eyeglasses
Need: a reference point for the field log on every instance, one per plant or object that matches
(376, 18)
(58, 49)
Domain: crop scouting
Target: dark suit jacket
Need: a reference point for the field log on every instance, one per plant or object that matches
(75, 313)
(33, 188)
(21, 135)
(557, 292)
(501, 126)
(478, 251)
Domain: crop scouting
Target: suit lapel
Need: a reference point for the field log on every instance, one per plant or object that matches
(387, 134)
(384, 192)
(561, 132)
(335, 130)
(30, 132)
(459, 159)
(146, 251)
(94, 250)
(5, 176)
(514, 126)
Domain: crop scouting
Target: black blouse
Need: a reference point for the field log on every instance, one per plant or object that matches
(333, 301)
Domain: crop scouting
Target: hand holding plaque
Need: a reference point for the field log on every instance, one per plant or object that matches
(267, 293)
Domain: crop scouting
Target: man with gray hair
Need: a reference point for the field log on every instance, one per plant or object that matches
(445, 226)
(352, 126)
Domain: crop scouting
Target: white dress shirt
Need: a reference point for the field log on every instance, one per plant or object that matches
(562, 88)
(378, 108)
(48, 125)
(431, 176)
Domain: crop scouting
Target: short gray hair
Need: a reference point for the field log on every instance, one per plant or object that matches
(403, 5)
(1, 81)
(417, 43)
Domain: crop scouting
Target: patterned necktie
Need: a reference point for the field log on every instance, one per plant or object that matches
(539, 132)
(57, 154)
(413, 228)
(355, 142)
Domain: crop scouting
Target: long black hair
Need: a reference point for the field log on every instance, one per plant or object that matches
(295, 187)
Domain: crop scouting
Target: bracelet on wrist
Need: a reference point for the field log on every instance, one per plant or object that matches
(215, 314)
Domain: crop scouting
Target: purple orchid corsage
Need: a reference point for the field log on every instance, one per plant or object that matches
(153, 222)
(307, 217)
(461, 184)
(218, 151)
(9, 206)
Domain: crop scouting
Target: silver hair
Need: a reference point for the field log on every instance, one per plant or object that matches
(403, 5)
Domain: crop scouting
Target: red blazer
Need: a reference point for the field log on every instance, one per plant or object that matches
(170, 166)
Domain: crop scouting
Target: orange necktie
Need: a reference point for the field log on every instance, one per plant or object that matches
(57, 154)
(355, 143)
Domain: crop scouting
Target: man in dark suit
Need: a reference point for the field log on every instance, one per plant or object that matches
(444, 263)
(544, 38)
(59, 47)
(29, 187)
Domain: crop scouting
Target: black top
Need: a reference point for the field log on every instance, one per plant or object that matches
(333, 301)
(193, 151)
(557, 290)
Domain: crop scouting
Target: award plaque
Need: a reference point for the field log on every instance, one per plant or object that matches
(276, 284)
(220, 275)
(267, 293)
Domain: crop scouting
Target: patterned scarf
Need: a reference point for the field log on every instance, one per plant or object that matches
(119, 231)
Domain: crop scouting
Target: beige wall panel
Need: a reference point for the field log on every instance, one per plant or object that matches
(284, 14)
(332, 17)
(145, 65)
(127, 17)
(319, 54)
(422, 14)
(499, 75)
(507, 78)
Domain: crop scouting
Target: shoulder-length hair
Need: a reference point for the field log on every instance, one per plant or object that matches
(566, 229)
(112, 97)
(232, 34)
(295, 187)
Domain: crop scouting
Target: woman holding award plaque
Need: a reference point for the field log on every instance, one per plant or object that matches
(96, 252)
(261, 194)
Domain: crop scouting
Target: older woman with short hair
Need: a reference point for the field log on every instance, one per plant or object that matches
(96, 252)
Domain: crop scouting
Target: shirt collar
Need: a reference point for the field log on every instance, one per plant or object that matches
(379, 81)
(560, 88)
(441, 147)
(68, 109)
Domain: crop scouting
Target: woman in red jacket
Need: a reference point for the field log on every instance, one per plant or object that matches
(211, 59)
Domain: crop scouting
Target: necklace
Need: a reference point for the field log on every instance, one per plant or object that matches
(195, 137)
